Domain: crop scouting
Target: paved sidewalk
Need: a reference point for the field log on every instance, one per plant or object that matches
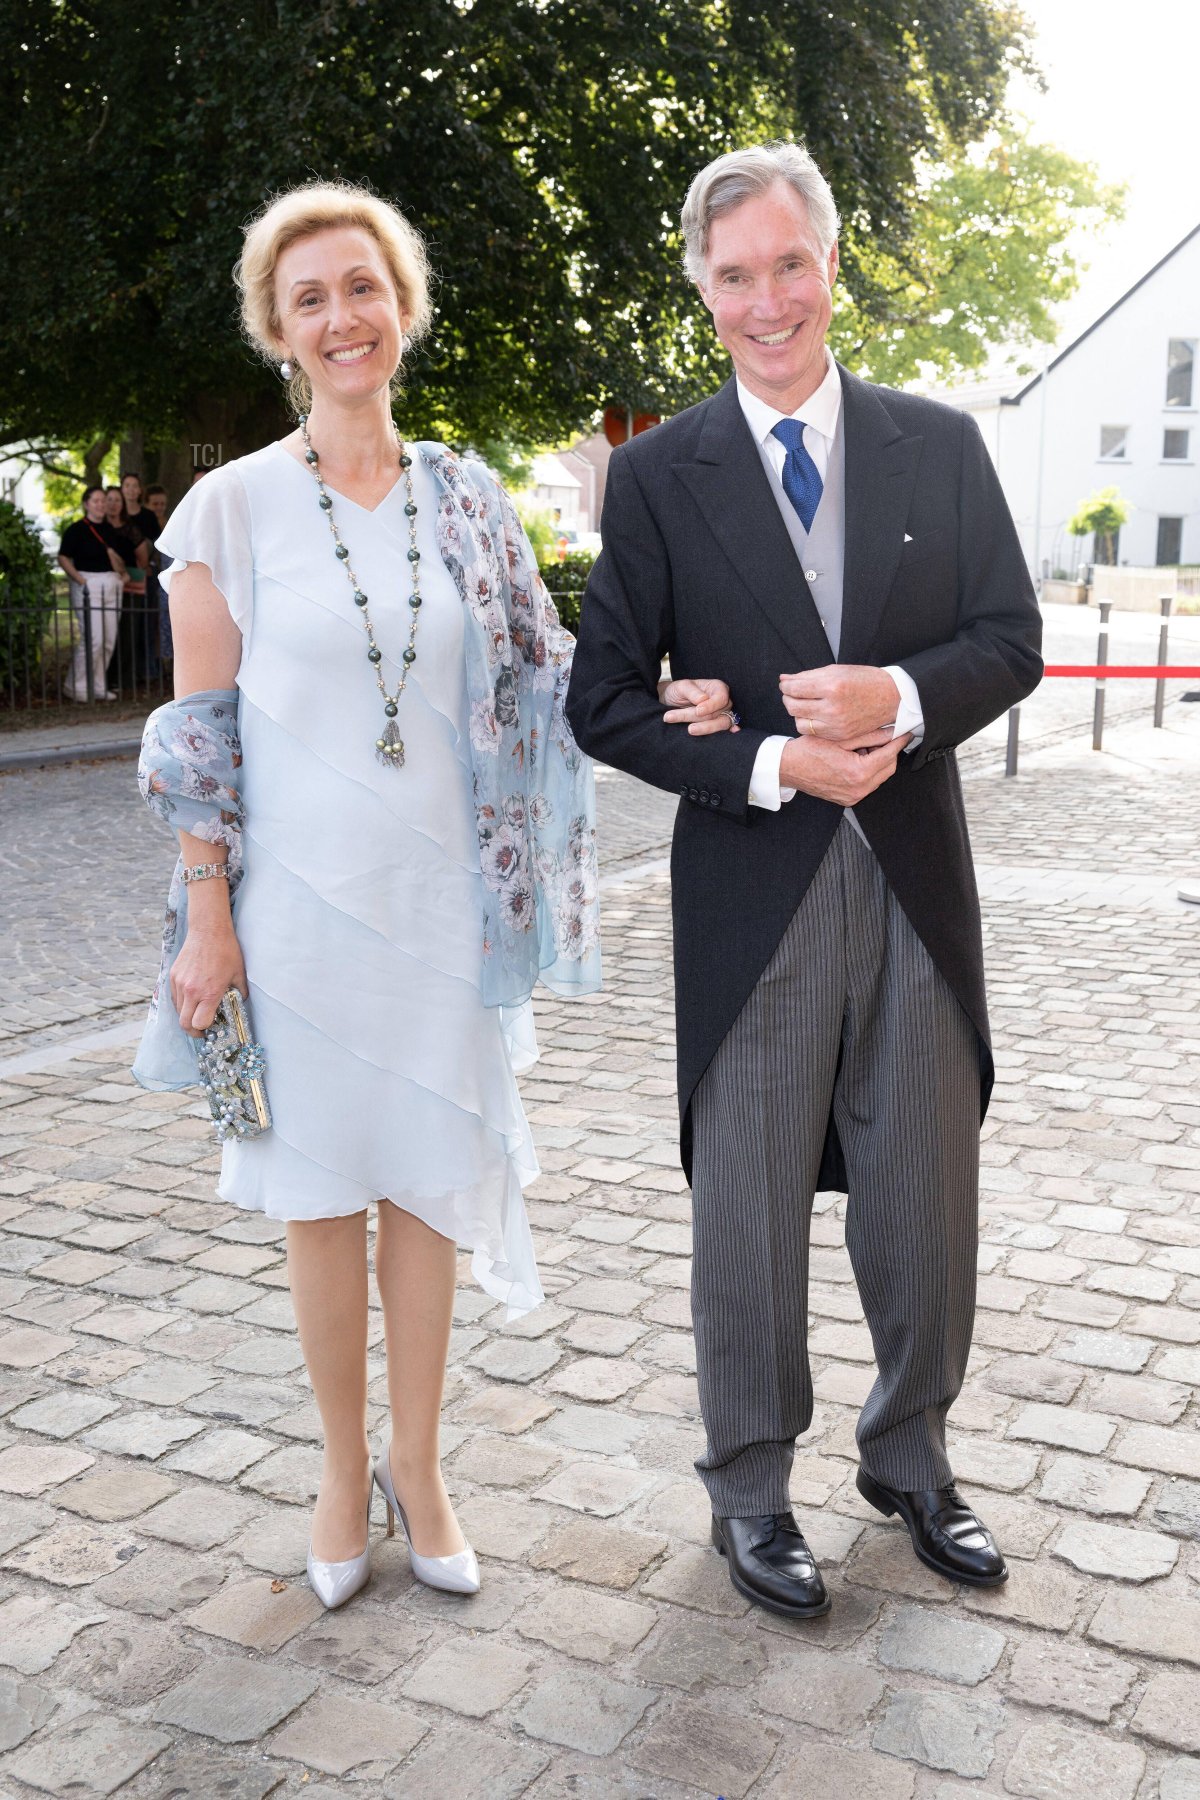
(158, 1446)
(72, 734)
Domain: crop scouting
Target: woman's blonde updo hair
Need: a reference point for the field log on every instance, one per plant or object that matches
(300, 213)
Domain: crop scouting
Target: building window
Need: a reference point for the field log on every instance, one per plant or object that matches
(1170, 543)
(1175, 446)
(1113, 442)
(1181, 362)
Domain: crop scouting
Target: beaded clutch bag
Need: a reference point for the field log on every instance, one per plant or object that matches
(231, 1072)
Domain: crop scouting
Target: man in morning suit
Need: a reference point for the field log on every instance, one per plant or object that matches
(840, 555)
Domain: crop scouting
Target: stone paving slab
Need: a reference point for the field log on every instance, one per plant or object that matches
(158, 1443)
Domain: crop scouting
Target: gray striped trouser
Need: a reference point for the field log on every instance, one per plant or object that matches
(849, 1013)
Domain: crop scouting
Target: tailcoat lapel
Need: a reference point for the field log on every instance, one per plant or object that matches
(728, 483)
(881, 471)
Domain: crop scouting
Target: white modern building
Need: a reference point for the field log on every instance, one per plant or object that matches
(1119, 407)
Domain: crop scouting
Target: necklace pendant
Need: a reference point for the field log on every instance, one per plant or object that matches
(389, 746)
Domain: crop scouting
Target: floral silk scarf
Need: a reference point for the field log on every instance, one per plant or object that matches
(535, 803)
(188, 776)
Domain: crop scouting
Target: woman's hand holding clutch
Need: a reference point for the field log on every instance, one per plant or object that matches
(208, 965)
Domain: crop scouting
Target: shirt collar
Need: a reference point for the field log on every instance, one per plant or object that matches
(820, 410)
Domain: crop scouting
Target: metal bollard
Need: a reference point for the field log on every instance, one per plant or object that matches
(1101, 659)
(1014, 730)
(1160, 686)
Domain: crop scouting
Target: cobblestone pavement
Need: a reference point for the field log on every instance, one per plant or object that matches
(84, 868)
(158, 1444)
(84, 871)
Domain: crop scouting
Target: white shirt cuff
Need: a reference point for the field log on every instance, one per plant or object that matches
(765, 790)
(909, 716)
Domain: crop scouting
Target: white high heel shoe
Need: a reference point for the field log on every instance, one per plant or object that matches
(457, 1574)
(336, 1582)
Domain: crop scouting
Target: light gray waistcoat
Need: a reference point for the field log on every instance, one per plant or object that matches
(821, 552)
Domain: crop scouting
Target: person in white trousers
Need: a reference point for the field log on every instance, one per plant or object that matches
(96, 575)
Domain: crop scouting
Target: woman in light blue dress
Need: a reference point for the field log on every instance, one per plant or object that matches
(369, 750)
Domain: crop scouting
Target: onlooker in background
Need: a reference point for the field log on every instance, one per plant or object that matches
(139, 513)
(96, 573)
(125, 537)
(129, 661)
(156, 500)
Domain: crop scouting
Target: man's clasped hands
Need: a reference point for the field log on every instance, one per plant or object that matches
(844, 747)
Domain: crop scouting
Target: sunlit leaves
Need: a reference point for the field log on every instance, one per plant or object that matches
(991, 250)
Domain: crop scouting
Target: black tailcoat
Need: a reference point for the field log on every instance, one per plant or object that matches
(698, 566)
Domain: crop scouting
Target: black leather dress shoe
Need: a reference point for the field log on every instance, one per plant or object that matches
(945, 1533)
(770, 1563)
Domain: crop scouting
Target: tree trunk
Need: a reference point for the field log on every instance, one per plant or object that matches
(227, 428)
(219, 431)
(93, 457)
(133, 455)
(174, 471)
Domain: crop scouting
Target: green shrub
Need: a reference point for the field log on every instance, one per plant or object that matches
(540, 527)
(566, 581)
(27, 601)
(1102, 515)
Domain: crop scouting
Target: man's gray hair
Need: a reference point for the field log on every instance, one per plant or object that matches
(740, 175)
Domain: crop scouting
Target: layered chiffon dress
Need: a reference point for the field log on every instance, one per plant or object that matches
(359, 911)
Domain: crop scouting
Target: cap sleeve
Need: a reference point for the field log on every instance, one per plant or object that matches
(211, 525)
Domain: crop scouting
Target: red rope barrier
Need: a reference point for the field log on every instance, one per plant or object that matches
(1123, 671)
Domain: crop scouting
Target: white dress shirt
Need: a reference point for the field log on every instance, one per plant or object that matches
(819, 416)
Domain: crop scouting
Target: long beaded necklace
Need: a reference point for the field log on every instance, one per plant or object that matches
(389, 748)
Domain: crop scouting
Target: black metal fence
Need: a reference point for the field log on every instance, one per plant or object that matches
(69, 654)
(74, 653)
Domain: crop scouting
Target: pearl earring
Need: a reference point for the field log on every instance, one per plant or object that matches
(286, 370)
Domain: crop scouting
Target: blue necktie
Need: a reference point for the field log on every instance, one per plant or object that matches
(801, 479)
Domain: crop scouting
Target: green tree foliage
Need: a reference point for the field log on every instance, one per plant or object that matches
(71, 468)
(543, 145)
(26, 601)
(988, 255)
(538, 522)
(1104, 514)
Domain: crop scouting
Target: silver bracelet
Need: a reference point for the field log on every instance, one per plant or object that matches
(205, 872)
